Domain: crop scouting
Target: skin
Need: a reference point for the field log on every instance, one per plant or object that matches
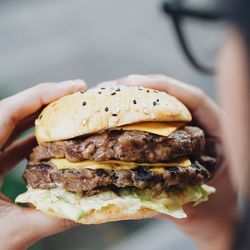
(24, 226)
(233, 91)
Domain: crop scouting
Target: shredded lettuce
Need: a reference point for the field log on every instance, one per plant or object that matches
(74, 206)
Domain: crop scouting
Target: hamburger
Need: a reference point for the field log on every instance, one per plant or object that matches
(117, 153)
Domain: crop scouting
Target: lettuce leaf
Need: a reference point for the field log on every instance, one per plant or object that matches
(74, 206)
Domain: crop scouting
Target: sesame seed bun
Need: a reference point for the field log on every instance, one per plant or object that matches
(100, 109)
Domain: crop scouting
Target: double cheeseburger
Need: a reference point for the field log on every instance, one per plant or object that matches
(117, 153)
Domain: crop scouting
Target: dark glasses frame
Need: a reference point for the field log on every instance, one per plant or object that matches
(177, 12)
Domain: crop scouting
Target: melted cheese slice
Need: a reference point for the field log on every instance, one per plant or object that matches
(159, 128)
(109, 165)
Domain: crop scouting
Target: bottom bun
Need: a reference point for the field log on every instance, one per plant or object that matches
(110, 214)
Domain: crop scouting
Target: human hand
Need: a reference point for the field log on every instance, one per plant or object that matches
(210, 224)
(21, 227)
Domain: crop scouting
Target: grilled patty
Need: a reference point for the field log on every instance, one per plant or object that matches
(131, 146)
(89, 181)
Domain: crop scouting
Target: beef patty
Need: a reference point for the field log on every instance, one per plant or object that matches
(89, 181)
(131, 146)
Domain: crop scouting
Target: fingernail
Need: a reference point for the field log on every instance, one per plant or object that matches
(157, 77)
(133, 80)
(76, 84)
(107, 84)
(80, 82)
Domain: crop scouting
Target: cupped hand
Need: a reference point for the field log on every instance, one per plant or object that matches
(20, 227)
(209, 224)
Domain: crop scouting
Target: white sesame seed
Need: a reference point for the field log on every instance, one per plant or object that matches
(136, 108)
(36, 122)
(127, 107)
(84, 122)
(113, 120)
(96, 109)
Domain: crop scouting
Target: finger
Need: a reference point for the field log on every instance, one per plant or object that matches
(4, 198)
(27, 225)
(128, 80)
(203, 109)
(22, 126)
(15, 108)
(44, 225)
(16, 152)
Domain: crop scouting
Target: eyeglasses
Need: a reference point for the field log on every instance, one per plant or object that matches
(205, 32)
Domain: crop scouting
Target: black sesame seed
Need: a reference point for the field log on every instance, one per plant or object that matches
(148, 90)
(113, 93)
(134, 101)
(84, 104)
(156, 91)
(114, 114)
(40, 117)
(82, 91)
(117, 90)
(99, 92)
(154, 103)
(102, 88)
(157, 100)
(106, 109)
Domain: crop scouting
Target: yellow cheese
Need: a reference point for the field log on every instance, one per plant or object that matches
(109, 165)
(157, 170)
(159, 128)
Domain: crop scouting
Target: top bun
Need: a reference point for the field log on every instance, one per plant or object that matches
(99, 109)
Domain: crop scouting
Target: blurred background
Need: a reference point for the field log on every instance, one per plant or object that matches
(55, 40)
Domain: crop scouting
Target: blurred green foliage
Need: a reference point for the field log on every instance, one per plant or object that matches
(13, 181)
(13, 186)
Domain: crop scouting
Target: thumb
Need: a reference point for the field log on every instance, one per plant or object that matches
(29, 225)
(43, 225)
